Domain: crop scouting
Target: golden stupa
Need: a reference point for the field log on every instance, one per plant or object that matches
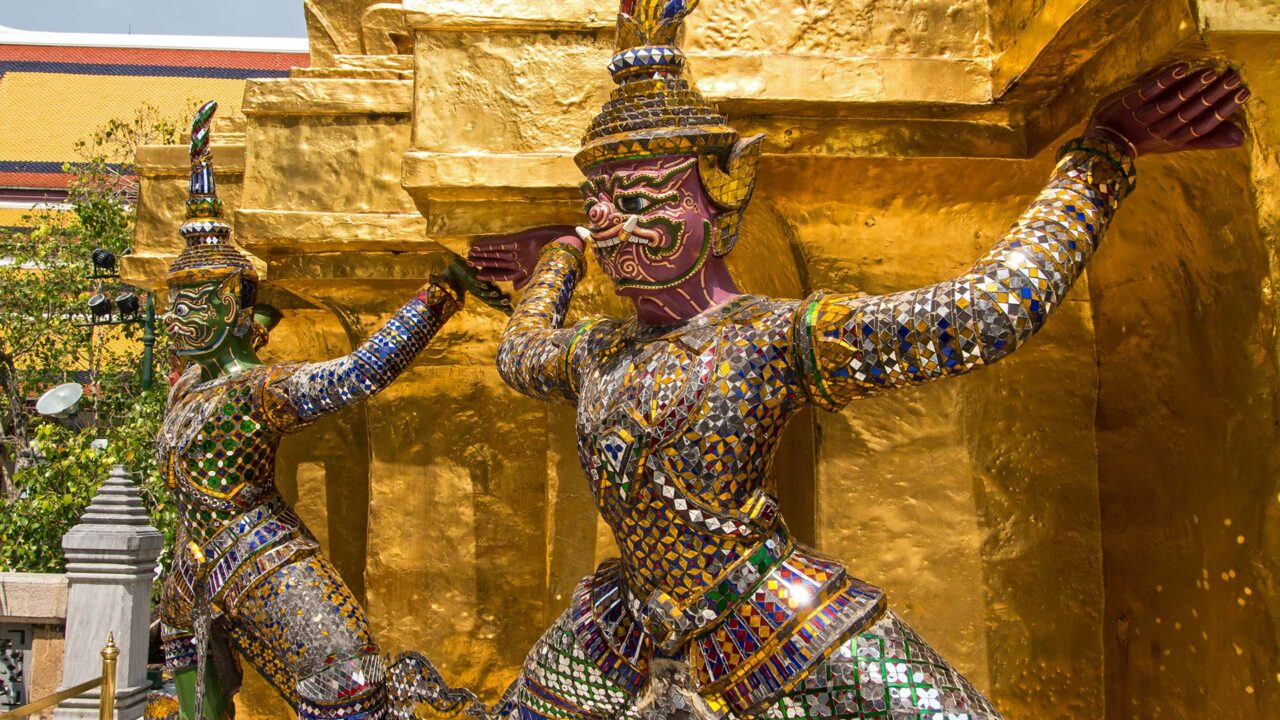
(1111, 495)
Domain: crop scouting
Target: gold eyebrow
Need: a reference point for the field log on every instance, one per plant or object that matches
(626, 181)
(188, 293)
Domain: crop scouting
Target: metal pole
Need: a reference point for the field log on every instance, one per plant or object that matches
(149, 342)
(106, 699)
(107, 702)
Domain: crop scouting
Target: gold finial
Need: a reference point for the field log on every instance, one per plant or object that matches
(110, 651)
(107, 704)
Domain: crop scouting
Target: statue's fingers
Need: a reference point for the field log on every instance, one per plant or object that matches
(1161, 81)
(1222, 111)
(1201, 100)
(1211, 95)
(1168, 125)
(1225, 136)
(499, 243)
(1150, 113)
(480, 255)
(492, 256)
(495, 298)
(1210, 120)
(500, 265)
(488, 289)
(492, 248)
(1186, 90)
(497, 275)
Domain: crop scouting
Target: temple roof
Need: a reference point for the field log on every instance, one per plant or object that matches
(58, 88)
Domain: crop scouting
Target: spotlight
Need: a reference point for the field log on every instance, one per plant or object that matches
(127, 303)
(100, 307)
(103, 259)
(61, 402)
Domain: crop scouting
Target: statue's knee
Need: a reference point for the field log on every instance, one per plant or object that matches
(353, 688)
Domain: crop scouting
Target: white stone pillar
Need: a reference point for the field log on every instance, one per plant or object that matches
(111, 562)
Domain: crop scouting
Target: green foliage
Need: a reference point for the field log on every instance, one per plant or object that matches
(52, 470)
(56, 491)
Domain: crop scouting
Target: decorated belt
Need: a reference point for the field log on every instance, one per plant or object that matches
(770, 643)
(671, 624)
(251, 546)
(764, 640)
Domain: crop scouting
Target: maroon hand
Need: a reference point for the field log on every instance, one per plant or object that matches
(1175, 109)
(513, 257)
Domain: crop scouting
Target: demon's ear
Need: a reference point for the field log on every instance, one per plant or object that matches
(729, 181)
(230, 285)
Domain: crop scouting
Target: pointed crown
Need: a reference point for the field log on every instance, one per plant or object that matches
(655, 111)
(209, 254)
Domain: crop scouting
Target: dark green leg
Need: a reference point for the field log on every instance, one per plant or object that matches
(217, 704)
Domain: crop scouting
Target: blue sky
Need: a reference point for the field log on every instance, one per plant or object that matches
(246, 18)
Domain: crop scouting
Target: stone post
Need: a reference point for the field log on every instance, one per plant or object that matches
(111, 562)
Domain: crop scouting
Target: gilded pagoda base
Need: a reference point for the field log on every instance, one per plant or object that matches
(1096, 520)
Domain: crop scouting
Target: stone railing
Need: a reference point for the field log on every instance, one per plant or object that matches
(33, 614)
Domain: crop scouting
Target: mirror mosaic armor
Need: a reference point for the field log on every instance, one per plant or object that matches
(249, 577)
(713, 610)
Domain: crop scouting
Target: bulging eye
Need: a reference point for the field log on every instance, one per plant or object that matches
(182, 310)
(633, 204)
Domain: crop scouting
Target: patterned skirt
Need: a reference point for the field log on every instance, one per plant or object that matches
(307, 635)
(885, 673)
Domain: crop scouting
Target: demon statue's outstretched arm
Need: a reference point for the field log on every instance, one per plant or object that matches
(846, 347)
(852, 346)
(295, 395)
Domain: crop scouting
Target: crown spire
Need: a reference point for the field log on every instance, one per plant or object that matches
(204, 208)
(647, 35)
(655, 110)
(209, 252)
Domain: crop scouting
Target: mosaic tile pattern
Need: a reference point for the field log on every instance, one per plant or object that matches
(887, 672)
(561, 681)
(282, 604)
(850, 347)
(677, 427)
(413, 679)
